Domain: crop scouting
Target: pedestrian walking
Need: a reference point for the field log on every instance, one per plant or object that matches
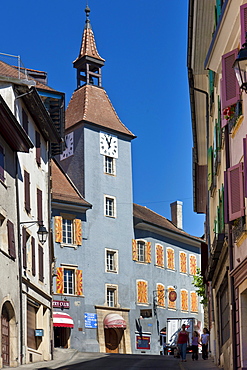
(195, 342)
(204, 341)
(183, 339)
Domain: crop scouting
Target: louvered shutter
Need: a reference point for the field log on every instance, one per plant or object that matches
(224, 121)
(226, 206)
(148, 252)
(210, 167)
(59, 281)
(230, 86)
(11, 239)
(235, 191)
(58, 229)
(27, 191)
(217, 10)
(245, 165)
(79, 290)
(77, 232)
(243, 22)
(33, 256)
(134, 250)
(1, 163)
(41, 263)
(39, 205)
(142, 292)
(24, 247)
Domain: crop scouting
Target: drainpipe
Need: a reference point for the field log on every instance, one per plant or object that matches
(230, 254)
(19, 258)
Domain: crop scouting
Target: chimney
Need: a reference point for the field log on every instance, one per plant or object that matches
(177, 213)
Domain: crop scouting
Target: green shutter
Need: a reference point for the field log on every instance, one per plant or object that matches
(210, 167)
(211, 75)
(221, 210)
(218, 10)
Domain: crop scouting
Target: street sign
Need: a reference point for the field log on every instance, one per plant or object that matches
(90, 320)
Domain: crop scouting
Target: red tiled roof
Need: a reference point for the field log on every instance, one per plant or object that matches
(92, 104)
(12, 72)
(88, 45)
(62, 188)
(149, 216)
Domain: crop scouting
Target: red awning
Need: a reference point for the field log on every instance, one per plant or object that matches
(114, 320)
(62, 320)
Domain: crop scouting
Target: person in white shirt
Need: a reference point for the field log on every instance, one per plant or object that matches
(204, 341)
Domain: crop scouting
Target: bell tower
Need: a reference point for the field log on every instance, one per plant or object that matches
(89, 62)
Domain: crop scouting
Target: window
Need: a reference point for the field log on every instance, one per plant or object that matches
(1, 163)
(110, 206)
(235, 191)
(39, 205)
(184, 300)
(38, 148)
(146, 314)
(109, 165)
(111, 260)
(69, 280)
(170, 259)
(111, 295)
(183, 262)
(159, 255)
(11, 239)
(68, 230)
(142, 292)
(69, 284)
(41, 263)
(141, 251)
(27, 191)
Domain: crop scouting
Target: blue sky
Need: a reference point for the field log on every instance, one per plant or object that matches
(144, 44)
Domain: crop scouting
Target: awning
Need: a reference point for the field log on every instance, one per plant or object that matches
(62, 320)
(114, 320)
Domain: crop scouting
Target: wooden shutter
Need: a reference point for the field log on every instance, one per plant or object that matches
(243, 22)
(159, 255)
(1, 163)
(230, 87)
(226, 206)
(79, 290)
(58, 229)
(24, 121)
(134, 250)
(142, 292)
(235, 191)
(59, 281)
(245, 165)
(148, 252)
(39, 205)
(193, 265)
(77, 232)
(217, 10)
(193, 302)
(210, 167)
(24, 247)
(33, 256)
(31, 326)
(161, 295)
(38, 148)
(184, 300)
(11, 239)
(41, 263)
(27, 191)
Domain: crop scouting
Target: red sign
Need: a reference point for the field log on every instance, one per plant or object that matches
(143, 342)
(60, 304)
(172, 296)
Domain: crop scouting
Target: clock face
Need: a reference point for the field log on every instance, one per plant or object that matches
(108, 145)
(69, 142)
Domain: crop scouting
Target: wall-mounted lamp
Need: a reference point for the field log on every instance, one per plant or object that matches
(240, 66)
(42, 232)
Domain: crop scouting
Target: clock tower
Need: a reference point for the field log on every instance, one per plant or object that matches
(98, 160)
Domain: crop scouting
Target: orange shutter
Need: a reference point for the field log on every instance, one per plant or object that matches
(148, 252)
(184, 300)
(193, 265)
(142, 292)
(59, 282)
(170, 259)
(193, 302)
(77, 232)
(159, 256)
(160, 295)
(58, 229)
(79, 290)
(183, 262)
(134, 250)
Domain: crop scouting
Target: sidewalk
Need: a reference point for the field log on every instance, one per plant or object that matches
(200, 364)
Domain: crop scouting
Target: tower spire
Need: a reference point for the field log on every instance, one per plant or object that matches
(89, 62)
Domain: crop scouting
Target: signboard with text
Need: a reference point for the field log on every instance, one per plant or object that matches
(60, 304)
(90, 320)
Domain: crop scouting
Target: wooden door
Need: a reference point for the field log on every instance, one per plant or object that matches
(111, 341)
(5, 337)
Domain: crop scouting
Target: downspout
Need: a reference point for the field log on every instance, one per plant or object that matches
(230, 253)
(19, 258)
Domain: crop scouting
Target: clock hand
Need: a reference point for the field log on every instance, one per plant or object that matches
(108, 141)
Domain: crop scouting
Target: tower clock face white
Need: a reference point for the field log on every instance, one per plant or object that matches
(69, 140)
(108, 145)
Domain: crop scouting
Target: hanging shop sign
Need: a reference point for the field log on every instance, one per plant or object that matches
(60, 304)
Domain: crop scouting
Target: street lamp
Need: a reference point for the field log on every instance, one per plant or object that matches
(42, 231)
(240, 66)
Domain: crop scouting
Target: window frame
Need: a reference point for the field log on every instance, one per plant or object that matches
(114, 254)
(66, 283)
(109, 169)
(107, 212)
(111, 288)
(143, 244)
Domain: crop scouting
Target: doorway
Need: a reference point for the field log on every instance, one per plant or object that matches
(5, 336)
(61, 337)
